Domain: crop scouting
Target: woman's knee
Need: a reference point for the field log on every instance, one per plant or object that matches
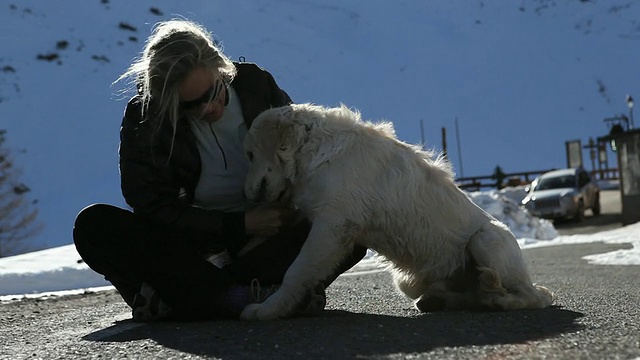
(95, 222)
(93, 214)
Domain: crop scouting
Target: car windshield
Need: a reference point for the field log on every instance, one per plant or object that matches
(557, 182)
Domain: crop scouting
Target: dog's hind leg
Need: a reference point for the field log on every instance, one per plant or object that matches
(457, 292)
(408, 283)
(440, 297)
(325, 248)
(504, 282)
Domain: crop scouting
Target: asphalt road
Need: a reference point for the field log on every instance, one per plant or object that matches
(596, 316)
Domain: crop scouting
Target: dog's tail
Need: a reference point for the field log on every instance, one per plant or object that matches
(545, 296)
(504, 282)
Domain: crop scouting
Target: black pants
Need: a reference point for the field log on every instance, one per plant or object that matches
(129, 249)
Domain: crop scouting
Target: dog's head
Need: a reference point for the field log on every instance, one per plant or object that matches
(271, 145)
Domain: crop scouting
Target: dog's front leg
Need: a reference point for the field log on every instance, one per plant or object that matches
(321, 253)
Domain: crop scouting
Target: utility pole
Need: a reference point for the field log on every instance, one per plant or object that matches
(444, 141)
(592, 155)
(459, 149)
(421, 134)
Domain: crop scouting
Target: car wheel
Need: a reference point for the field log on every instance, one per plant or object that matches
(579, 216)
(596, 205)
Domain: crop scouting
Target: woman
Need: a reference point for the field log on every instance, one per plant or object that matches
(190, 249)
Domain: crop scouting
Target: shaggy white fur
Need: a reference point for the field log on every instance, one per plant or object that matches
(359, 184)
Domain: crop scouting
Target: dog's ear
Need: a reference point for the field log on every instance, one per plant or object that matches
(291, 135)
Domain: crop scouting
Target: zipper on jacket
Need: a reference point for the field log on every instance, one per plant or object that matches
(224, 157)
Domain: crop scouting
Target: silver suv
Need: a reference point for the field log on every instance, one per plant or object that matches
(563, 194)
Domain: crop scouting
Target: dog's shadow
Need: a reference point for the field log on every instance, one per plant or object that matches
(340, 334)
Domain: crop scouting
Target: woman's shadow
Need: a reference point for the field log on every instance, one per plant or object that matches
(340, 334)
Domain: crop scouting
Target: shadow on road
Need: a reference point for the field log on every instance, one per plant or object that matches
(339, 334)
(597, 220)
(590, 224)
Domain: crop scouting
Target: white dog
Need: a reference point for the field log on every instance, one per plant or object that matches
(358, 184)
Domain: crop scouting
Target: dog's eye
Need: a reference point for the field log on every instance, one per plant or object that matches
(250, 156)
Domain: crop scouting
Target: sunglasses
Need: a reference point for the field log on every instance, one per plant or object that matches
(208, 97)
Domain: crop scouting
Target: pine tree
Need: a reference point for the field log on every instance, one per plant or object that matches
(18, 217)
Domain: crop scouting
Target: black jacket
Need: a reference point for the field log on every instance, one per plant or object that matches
(162, 187)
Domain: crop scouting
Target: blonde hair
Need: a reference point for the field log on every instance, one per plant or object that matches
(174, 49)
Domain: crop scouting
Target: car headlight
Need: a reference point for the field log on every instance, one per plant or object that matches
(569, 196)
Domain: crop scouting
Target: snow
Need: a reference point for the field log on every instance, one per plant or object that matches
(60, 271)
(521, 77)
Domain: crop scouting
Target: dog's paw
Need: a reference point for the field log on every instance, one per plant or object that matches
(259, 312)
(430, 304)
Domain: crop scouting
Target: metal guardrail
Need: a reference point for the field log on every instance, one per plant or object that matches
(605, 174)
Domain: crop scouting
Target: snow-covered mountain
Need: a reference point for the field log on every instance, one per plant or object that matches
(522, 77)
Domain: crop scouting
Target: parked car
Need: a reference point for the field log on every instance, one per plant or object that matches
(565, 193)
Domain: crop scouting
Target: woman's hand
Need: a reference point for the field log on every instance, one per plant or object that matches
(268, 219)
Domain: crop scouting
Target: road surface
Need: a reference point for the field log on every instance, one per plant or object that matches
(596, 315)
